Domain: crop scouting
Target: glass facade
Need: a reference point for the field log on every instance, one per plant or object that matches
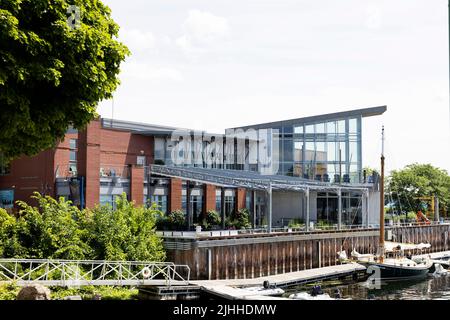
(325, 151)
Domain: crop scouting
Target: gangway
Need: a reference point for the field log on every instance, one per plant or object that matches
(76, 273)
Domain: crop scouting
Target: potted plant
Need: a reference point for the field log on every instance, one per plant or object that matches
(176, 220)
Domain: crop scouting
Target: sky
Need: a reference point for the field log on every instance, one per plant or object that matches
(216, 64)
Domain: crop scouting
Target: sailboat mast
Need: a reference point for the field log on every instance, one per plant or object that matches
(381, 248)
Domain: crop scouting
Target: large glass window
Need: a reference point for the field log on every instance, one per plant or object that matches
(341, 127)
(331, 127)
(320, 128)
(353, 126)
(309, 151)
(354, 151)
(218, 203)
(321, 152)
(309, 129)
(298, 151)
(73, 164)
(288, 150)
(298, 130)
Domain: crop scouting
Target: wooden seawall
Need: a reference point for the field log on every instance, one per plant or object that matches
(255, 256)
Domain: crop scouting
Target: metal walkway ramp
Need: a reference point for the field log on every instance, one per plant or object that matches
(70, 273)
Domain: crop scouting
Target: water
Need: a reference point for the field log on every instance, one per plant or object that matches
(431, 288)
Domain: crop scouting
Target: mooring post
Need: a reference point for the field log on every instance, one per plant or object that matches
(270, 207)
(307, 209)
(339, 209)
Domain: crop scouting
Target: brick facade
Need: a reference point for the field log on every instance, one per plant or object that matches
(209, 197)
(175, 200)
(241, 199)
(137, 184)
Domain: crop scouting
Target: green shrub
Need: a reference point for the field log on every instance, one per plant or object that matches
(211, 219)
(296, 223)
(176, 220)
(239, 220)
(57, 230)
(9, 292)
(412, 215)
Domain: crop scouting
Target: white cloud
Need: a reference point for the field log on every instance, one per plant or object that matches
(201, 30)
(148, 72)
(138, 40)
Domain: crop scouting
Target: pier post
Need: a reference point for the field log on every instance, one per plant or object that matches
(307, 209)
(270, 207)
(339, 209)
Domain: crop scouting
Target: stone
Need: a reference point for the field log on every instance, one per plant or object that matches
(73, 298)
(34, 292)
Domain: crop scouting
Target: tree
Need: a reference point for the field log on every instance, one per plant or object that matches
(419, 180)
(52, 75)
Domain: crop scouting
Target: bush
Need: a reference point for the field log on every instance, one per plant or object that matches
(176, 220)
(58, 230)
(212, 219)
(296, 223)
(239, 220)
(412, 216)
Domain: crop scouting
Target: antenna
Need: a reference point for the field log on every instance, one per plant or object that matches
(112, 111)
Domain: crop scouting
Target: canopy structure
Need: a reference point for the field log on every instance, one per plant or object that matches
(250, 180)
(258, 182)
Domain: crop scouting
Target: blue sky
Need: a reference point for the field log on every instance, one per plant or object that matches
(214, 64)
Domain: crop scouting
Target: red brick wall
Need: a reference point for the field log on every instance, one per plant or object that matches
(240, 199)
(175, 194)
(137, 185)
(121, 148)
(89, 161)
(30, 174)
(210, 197)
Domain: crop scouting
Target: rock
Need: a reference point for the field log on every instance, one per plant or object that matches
(34, 292)
(73, 298)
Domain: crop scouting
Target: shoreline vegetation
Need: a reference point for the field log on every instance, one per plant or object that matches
(10, 292)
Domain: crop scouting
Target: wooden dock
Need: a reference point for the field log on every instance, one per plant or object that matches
(235, 289)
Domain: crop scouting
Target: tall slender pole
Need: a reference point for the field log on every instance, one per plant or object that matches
(381, 247)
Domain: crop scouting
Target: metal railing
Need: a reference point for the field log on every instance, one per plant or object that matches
(69, 273)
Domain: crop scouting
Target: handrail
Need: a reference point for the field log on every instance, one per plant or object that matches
(92, 273)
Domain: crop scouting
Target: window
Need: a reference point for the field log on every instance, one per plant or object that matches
(320, 128)
(331, 127)
(298, 130)
(341, 127)
(73, 146)
(218, 203)
(109, 199)
(353, 126)
(229, 205)
(309, 129)
(298, 151)
(161, 202)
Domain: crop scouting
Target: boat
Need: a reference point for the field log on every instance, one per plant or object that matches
(269, 292)
(390, 263)
(316, 294)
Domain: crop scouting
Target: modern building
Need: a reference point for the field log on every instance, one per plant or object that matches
(308, 169)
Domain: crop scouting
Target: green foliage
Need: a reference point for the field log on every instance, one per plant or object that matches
(419, 180)
(58, 230)
(296, 223)
(176, 220)
(50, 75)
(9, 292)
(212, 219)
(89, 293)
(124, 234)
(411, 215)
(239, 220)
(51, 230)
(323, 224)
